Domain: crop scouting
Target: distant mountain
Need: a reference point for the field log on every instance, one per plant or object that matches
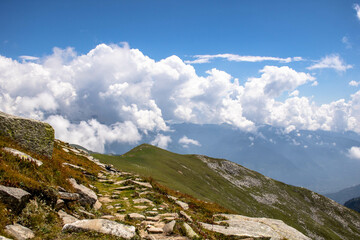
(241, 190)
(345, 195)
(317, 160)
(353, 204)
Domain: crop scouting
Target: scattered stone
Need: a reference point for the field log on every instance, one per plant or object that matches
(66, 218)
(143, 184)
(187, 217)
(189, 231)
(169, 227)
(59, 204)
(97, 205)
(152, 213)
(23, 156)
(125, 198)
(153, 219)
(184, 206)
(65, 150)
(88, 196)
(109, 181)
(115, 196)
(110, 207)
(143, 200)
(14, 198)
(4, 238)
(69, 196)
(120, 182)
(19, 232)
(73, 166)
(154, 230)
(171, 215)
(172, 197)
(255, 227)
(120, 217)
(129, 187)
(141, 207)
(86, 213)
(136, 216)
(103, 226)
(105, 200)
(109, 217)
(121, 210)
(31, 134)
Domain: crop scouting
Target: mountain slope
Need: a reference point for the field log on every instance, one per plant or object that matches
(353, 204)
(241, 190)
(344, 195)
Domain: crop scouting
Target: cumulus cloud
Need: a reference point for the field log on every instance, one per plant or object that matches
(239, 58)
(161, 141)
(28, 58)
(331, 61)
(117, 94)
(354, 83)
(354, 152)
(93, 135)
(357, 9)
(185, 142)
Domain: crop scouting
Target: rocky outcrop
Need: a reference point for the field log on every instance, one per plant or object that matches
(23, 156)
(102, 226)
(19, 232)
(14, 198)
(33, 135)
(241, 226)
(87, 196)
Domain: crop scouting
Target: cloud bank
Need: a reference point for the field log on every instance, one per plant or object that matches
(239, 58)
(117, 94)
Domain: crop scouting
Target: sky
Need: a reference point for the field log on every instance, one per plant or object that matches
(113, 71)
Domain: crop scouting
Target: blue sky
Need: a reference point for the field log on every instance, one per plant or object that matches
(319, 32)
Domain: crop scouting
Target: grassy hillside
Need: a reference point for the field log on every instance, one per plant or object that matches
(241, 190)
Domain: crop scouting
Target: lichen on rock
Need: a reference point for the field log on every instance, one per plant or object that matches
(33, 135)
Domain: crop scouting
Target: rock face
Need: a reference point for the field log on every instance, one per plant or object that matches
(33, 135)
(242, 226)
(19, 232)
(88, 196)
(15, 198)
(102, 226)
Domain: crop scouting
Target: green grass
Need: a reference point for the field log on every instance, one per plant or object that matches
(189, 175)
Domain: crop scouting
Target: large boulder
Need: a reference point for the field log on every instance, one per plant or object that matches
(87, 196)
(103, 226)
(14, 198)
(241, 226)
(19, 232)
(31, 134)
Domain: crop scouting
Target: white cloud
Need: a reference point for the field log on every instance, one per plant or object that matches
(331, 61)
(354, 83)
(354, 152)
(346, 42)
(185, 142)
(161, 141)
(28, 58)
(239, 58)
(120, 87)
(92, 134)
(357, 9)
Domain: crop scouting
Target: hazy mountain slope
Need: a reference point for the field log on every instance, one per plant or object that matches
(353, 204)
(242, 190)
(345, 194)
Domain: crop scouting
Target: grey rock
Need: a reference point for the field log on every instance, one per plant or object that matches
(155, 230)
(242, 226)
(66, 218)
(23, 156)
(184, 205)
(4, 238)
(189, 231)
(187, 217)
(14, 198)
(88, 196)
(74, 166)
(19, 232)
(69, 196)
(169, 227)
(103, 226)
(86, 213)
(143, 184)
(97, 205)
(59, 204)
(31, 134)
(136, 216)
(143, 200)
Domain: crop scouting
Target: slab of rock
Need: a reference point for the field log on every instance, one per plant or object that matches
(69, 196)
(59, 204)
(86, 213)
(141, 207)
(143, 184)
(189, 231)
(172, 197)
(143, 200)
(19, 232)
(23, 156)
(155, 230)
(88, 196)
(74, 166)
(33, 135)
(66, 218)
(103, 226)
(136, 216)
(187, 217)
(169, 227)
(109, 217)
(4, 238)
(105, 200)
(255, 228)
(130, 187)
(184, 205)
(172, 215)
(97, 205)
(14, 198)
